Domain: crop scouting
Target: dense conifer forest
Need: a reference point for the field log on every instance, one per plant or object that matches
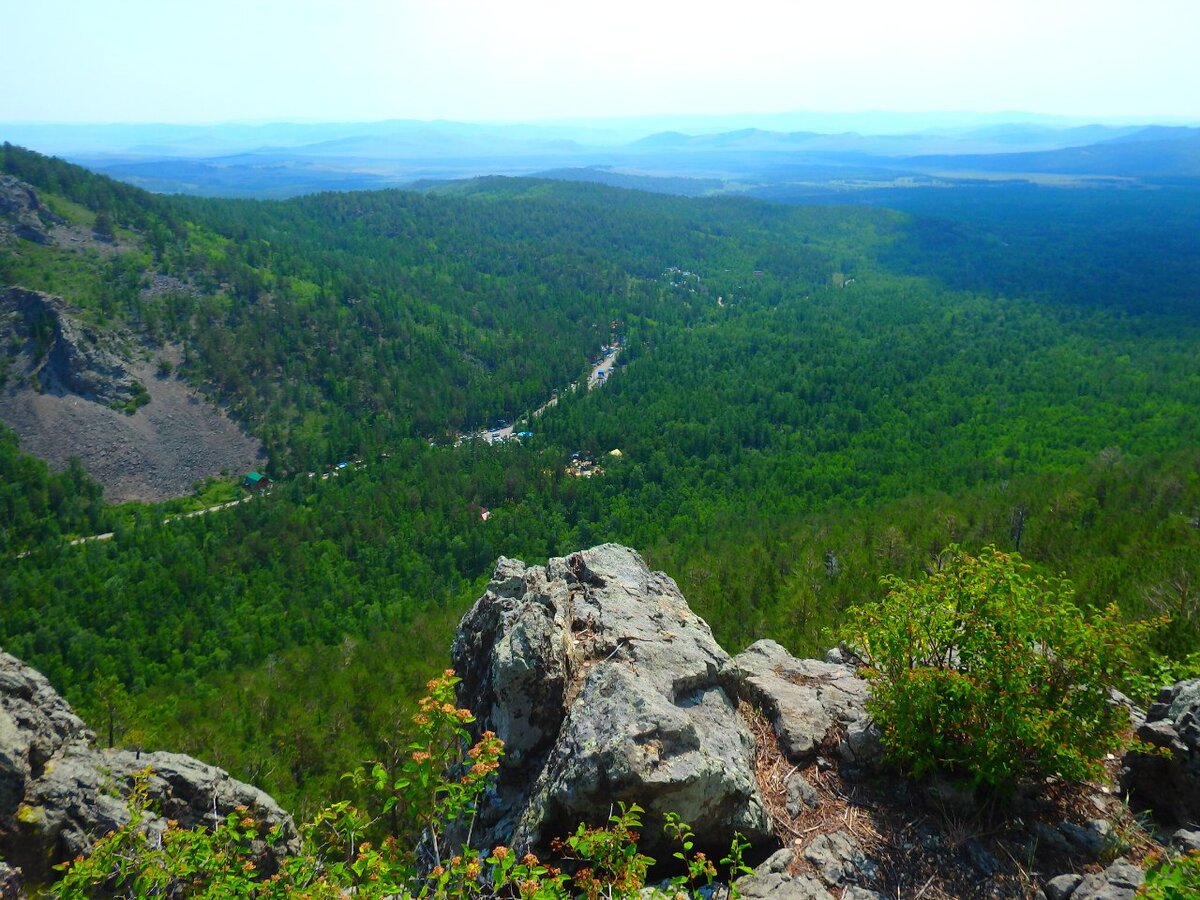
(807, 398)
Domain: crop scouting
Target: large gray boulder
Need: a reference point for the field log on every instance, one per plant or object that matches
(58, 793)
(605, 687)
(1169, 781)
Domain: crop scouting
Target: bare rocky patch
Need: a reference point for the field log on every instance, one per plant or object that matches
(67, 393)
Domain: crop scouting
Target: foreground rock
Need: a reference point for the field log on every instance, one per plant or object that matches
(58, 793)
(1169, 783)
(605, 687)
(1120, 881)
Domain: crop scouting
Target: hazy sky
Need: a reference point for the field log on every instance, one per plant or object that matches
(272, 60)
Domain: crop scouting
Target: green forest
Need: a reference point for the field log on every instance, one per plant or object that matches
(807, 398)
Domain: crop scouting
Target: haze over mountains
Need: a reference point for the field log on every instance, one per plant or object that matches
(727, 153)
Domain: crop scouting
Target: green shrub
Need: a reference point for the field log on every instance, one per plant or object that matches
(438, 783)
(988, 673)
(1173, 879)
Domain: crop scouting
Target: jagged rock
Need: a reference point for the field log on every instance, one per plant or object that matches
(1062, 887)
(800, 791)
(805, 699)
(11, 882)
(1088, 842)
(1119, 881)
(35, 725)
(21, 214)
(63, 354)
(836, 656)
(840, 860)
(1184, 840)
(58, 793)
(775, 863)
(1047, 839)
(863, 744)
(854, 892)
(605, 687)
(1170, 785)
(781, 886)
(982, 859)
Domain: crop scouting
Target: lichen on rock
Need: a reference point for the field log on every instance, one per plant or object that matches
(605, 687)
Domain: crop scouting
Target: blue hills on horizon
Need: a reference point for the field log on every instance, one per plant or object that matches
(289, 159)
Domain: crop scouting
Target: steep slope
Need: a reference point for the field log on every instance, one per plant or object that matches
(74, 387)
(337, 324)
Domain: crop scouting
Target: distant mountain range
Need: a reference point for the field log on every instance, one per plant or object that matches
(1148, 153)
(282, 160)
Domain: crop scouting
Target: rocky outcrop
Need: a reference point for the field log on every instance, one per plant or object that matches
(1169, 781)
(1120, 881)
(773, 880)
(605, 687)
(58, 793)
(810, 704)
(60, 352)
(21, 214)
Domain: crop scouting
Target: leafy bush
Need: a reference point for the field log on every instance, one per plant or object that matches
(438, 784)
(991, 674)
(1173, 879)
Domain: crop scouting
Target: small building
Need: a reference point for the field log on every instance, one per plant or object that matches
(256, 481)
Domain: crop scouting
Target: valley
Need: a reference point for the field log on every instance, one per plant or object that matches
(831, 394)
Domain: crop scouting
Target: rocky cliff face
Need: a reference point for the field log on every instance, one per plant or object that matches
(66, 388)
(58, 792)
(21, 214)
(64, 356)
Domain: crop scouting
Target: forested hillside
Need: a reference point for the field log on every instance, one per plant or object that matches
(806, 400)
(338, 323)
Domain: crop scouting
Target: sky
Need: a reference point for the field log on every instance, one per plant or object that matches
(184, 61)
